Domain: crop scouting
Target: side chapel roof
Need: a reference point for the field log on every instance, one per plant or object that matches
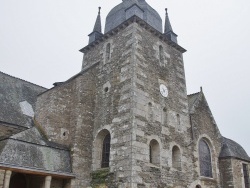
(232, 149)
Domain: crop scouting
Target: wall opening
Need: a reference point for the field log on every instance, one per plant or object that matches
(101, 150)
(154, 152)
(246, 175)
(105, 151)
(108, 52)
(161, 56)
(18, 181)
(176, 158)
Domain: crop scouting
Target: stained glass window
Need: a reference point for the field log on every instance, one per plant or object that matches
(205, 159)
(106, 151)
(246, 175)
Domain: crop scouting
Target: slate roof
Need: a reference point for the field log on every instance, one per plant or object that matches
(118, 15)
(17, 99)
(30, 150)
(232, 149)
(22, 146)
(192, 101)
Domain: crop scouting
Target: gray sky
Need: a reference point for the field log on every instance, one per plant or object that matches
(40, 39)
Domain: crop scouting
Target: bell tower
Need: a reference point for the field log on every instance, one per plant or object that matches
(141, 106)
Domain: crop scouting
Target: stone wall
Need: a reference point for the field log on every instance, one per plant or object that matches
(2, 173)
(238, 176)
(205, 127)
(155, 117)
(226, 171)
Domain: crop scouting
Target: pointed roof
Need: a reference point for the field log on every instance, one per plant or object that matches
(97, 31)
(168, 28)
(98, 25)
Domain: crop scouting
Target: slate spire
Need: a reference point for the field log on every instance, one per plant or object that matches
(97, 31)
(98, 25)
(168, 30)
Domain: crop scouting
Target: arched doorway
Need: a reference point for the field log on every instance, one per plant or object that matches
(18, 181)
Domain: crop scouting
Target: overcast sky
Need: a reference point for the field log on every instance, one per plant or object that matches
(40, 39)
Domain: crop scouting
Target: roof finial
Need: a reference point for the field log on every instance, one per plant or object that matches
(99, 12)
(201, 89)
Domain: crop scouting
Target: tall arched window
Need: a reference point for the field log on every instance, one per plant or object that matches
(176, 158)
(101, 150)
(205, 159)
(108, 52)
(154, 152)
(105, 151)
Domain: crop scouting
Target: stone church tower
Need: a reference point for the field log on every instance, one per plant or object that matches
(126, 118)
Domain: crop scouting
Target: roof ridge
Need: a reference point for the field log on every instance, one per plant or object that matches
(22, 80)
(193, 93)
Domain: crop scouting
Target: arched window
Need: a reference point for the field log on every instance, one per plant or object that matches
(108, 52)
(101, 150)
(197, 186)
(205, 159)
(176, 158)
(105, 151)
(154, 152)
(161, 57)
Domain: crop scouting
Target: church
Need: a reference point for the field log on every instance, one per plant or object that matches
(124, 121)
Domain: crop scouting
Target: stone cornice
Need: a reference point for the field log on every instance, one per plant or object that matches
(142, 23)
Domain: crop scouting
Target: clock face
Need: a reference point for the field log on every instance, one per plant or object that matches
(163, 90)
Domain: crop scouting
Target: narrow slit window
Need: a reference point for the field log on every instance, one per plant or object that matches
(106, 151)
(161, 57)
(108, 52)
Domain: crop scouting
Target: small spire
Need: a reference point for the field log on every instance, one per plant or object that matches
(168, 30)
(168, 27)
(98, 25)
(97, 31)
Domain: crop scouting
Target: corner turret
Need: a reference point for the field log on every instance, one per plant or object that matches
(168, 31)
(97, 31)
